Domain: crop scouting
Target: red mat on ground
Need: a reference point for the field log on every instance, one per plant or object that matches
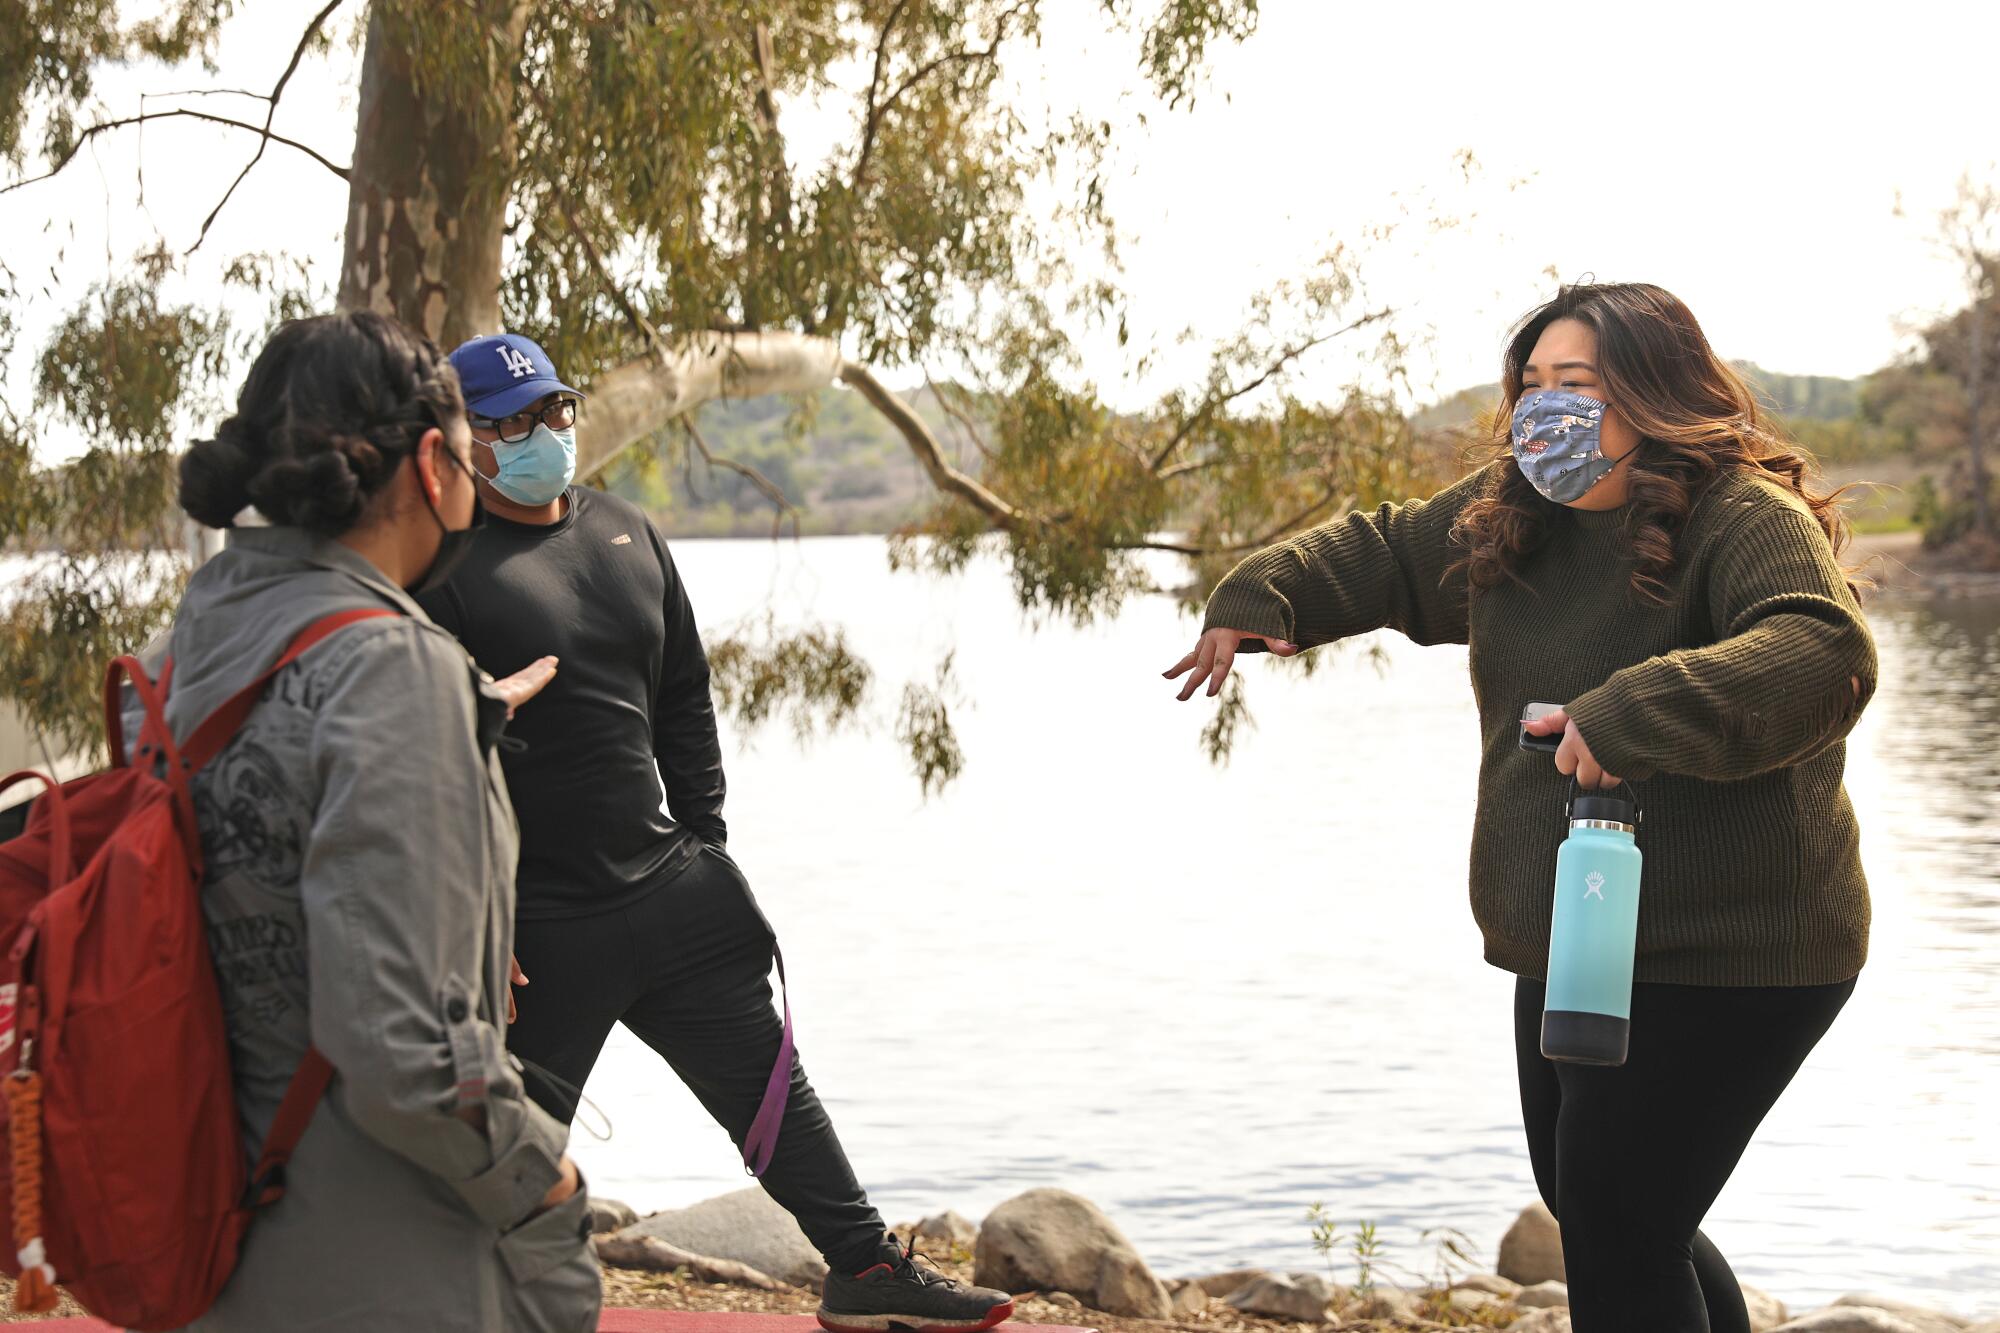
(696, 1321)
(638, 1321)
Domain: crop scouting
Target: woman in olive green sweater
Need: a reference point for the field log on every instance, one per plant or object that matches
(1644, 548)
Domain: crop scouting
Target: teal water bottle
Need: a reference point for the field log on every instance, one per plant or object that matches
(1587, 1010)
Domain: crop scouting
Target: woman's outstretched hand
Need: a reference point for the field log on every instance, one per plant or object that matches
(1212, 655)
(1573, 757)
(526, 683)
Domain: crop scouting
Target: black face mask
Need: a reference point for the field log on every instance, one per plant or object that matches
(454, 545)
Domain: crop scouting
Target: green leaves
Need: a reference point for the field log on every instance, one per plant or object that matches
(1178, 36)
(923, 727)
(120, 367)
(810, 676)
(120, 364)
(50, 49)
(1218, 738)
(72, 616)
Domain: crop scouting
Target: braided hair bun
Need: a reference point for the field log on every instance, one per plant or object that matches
(330, 409)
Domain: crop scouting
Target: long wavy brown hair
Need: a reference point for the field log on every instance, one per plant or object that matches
(1697, 421)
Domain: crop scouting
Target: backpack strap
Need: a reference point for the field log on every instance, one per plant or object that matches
(152, 698)
(220, 727)
(62, 867)
(155, 737)
(180, 762)
(308, 1085)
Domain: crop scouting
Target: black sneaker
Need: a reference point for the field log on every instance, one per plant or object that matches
(899, 1294)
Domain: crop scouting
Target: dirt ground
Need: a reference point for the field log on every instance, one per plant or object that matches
(665, 1291)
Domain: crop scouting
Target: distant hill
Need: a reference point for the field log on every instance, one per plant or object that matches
(848, 471)
(1793, 397)
(1804, 397)
(830, 453)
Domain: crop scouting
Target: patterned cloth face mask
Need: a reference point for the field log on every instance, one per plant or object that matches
(1556, 440)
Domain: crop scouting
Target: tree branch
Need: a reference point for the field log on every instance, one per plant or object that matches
(208, 92)
(925, 445)
(270, 114)
(958, 414)
(104, 126)
(774, 203)
(767, 116)
(1215, 402)
(1191, 465)
(687, 469)
(785, 508)
(670, 380)
(873, 123)
(877, 110)
(631, 401)
(1330, 499)
(962, 56)
(640, 324)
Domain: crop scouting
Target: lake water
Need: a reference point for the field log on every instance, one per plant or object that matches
(1208, 998)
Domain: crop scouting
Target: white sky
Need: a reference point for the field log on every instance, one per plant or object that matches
(1748, 156)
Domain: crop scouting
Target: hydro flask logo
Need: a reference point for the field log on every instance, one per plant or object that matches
(1593, 885)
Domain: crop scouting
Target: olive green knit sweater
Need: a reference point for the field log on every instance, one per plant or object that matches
(1732, 701)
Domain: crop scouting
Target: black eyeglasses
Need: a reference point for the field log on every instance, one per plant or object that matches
(559, 415)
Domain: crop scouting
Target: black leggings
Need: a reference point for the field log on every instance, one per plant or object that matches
(687, 969)
(1629, 1159)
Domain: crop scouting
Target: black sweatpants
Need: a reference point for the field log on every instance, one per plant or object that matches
(1629, 1159)
(687, 969)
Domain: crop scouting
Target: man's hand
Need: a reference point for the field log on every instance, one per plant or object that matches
(526, 683)
(518, 978)
(1212, 656)
(1573, 756)
(567, 1183)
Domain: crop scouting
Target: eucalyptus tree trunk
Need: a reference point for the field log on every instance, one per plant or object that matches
(428, 189)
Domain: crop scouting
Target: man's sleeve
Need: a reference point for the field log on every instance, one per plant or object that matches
(684, 737)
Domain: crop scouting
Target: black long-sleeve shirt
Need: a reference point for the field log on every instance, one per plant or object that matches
(627, 715)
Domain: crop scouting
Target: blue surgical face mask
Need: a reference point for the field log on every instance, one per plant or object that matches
(1556, 439)
(538, 469)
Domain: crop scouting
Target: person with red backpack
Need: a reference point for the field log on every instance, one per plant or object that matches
(356, 854)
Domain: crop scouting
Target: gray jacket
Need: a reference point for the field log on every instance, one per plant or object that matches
(359, 895)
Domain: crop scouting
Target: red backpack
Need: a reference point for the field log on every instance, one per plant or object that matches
(128, 1183)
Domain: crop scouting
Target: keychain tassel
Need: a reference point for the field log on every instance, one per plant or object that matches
(35, 1291)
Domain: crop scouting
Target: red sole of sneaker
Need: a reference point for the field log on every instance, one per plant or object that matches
(999, 1314)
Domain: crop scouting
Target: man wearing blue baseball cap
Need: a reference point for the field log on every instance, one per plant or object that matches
(625, 913)
(525, 417)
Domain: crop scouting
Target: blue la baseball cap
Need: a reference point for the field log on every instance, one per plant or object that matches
(504, 373)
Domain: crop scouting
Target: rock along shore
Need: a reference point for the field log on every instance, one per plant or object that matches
(1067, 1262)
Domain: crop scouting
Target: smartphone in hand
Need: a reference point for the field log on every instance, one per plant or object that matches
(1541, 744)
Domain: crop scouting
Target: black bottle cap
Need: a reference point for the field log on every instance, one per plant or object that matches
(1612, 806)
